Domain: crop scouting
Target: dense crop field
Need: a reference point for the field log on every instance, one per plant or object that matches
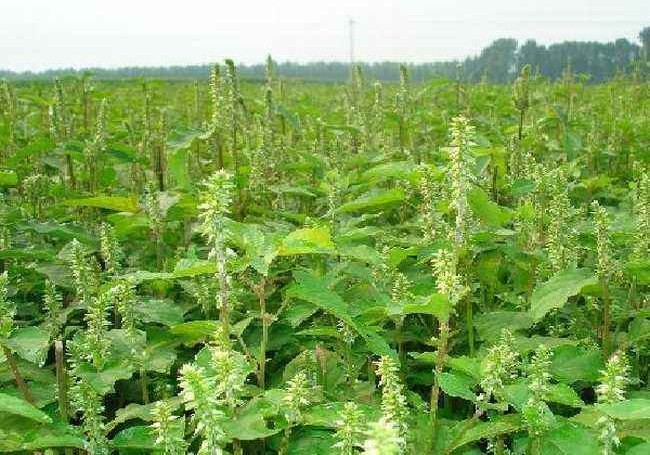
(282, 267)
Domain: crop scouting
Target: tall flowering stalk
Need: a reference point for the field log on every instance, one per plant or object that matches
(197, 391)
(231, 110)
(535, 411)
(393, 400)
(86, 400)
(84, 278)
(605, 265)
(111, 252)
(611, 390)
(641, 247)
(168, 430)
(53, 303)
(462, 139)
(154, 211)
(96, 147)
(450, 284)
(8, 108)
(403, 108)
(61, 126)
(561, 239)
(383, 438)
(349, 429)
(96, 344)
(216, 200)
(521, 96)
(296, 398)
(434, 226)
(499, 367)
(7, 313)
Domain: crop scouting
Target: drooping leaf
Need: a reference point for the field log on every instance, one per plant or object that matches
(484, 209)
(138, 437)
(633, 409)
(490, 325)
(479, 430)
(556, 291)
(375, 201)
(307, 241)
(117, 203)
(8, 178)
(456, 385)
(571, 364)
(21, 434)
(437, 305)
(159, 311)
(569, 439)
(18, 406)
(30, 343)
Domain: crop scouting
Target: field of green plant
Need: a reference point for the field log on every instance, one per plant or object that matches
(281, 267)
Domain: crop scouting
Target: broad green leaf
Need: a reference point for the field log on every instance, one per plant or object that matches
(481, 430)
(470, 366)
(633, 409)
(361, 253)
(486, 210)
(307, 241)
(392, 170)
(437, 305)
(177, 167)
(8, 178)
(639, 330)
(639, 270)
(138, 437)
(327, 415)
(252, 423)
(556, 291)
(527, 344)
(260, 249)
(159, 311)
(312, 441)
(117, 203)
(572, 363)
(457, 386)
(140, 411)
(61, 231)
(490, 325)
(103, 381)
(194, 332)
(564, 394)
(314, 289)
(189, 269)
(30, 343)
(569, 439)
(374, 201)
(639, 449)
(21, 434)
(517, 394)
(18, 406)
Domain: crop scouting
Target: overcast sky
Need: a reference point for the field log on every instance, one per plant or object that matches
(42, 34)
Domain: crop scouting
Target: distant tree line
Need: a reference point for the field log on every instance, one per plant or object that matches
(499, 62)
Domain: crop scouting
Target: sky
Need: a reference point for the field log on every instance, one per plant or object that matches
(45, 34)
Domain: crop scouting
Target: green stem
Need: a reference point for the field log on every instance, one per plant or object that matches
(144, 386)
(20, 382)
(440, 362)
(470, 326)
(61, 380)
(606, 319)
(266, 322)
